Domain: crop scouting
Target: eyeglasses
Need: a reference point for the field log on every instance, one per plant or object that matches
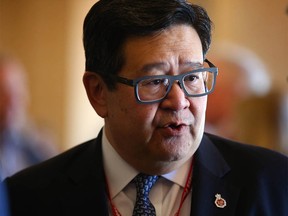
(153, 89)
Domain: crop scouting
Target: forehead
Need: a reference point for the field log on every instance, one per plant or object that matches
(174, 46)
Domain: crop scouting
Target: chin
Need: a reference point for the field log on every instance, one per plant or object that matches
(175, 154)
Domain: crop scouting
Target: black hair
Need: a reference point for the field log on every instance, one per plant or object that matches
(109, 24)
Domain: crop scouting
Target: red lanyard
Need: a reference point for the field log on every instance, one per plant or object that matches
(187, 188)
(185, 193)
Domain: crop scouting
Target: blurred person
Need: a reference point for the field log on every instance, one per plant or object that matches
(263, 121)
(22, 144)
(148, 76)
(244, 106)
(4, 205)
(243, 78)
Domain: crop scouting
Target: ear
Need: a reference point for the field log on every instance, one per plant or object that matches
(96, 91)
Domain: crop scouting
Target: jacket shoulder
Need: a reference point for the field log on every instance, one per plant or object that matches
(54, 167)
(234, 149)
(251, 162)
(258, 175)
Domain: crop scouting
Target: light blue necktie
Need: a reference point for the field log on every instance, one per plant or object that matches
(143, 206)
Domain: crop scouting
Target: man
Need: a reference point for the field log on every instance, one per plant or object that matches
(4, 211)
(147, 76)
(22, 144)
(237, 63)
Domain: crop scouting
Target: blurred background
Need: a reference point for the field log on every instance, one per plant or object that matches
(46, 38)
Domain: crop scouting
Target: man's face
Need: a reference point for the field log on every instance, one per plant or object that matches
(4, 100)
(158, 137)
(13, 94)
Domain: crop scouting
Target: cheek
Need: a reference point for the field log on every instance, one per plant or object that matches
(198, 109)
(198, 106)
(141, 116)
(130, 112)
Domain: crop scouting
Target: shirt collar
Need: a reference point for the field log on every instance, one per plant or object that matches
(119, 173)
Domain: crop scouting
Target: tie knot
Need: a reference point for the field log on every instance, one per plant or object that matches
(144, 183)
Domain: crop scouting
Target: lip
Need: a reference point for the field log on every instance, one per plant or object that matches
(174, 129)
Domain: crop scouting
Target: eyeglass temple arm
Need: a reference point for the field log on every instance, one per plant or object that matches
(209, 63)
(124, 81)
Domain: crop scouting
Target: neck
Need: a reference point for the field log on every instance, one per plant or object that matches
(159, 167)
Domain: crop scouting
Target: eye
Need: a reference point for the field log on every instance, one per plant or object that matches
(191, 77)
(154, 82)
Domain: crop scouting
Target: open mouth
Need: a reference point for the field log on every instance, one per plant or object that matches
(174, 129)
(176, 126)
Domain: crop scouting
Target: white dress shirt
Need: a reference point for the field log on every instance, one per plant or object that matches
(165, 195)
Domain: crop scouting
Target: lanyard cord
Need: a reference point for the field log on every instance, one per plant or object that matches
(187, 189)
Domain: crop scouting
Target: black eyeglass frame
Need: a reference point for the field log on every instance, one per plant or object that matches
(134, 82)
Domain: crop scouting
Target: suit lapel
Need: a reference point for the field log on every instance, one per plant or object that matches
(87, 175)
(211, 176)
(211, 180)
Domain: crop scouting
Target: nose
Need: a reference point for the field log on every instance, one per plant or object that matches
(176, 98)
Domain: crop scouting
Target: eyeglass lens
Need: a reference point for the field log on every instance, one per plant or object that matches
(194, 83)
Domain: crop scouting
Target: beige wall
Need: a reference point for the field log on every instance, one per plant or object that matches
(82, 122)
(46, 36)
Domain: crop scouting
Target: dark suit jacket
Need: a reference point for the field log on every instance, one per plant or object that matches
(252, 180)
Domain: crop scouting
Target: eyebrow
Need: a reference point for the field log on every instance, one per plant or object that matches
(156, 65)
(192, 64)
(161, 65)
